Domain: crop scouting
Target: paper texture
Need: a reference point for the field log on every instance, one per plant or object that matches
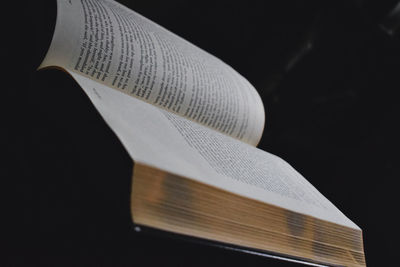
(177, 145)
(175, 107)
(105, 41)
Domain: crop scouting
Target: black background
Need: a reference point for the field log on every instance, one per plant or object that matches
(331, 111)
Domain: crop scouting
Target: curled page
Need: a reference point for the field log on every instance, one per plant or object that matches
(117, 47)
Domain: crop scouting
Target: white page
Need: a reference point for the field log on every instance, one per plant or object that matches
(164, 140)
(113, 45)
(174, 144)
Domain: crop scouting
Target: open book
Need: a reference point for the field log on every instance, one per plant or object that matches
(191, 124)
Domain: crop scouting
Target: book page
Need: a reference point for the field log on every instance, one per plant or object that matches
(109, 43)
(166, 141)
